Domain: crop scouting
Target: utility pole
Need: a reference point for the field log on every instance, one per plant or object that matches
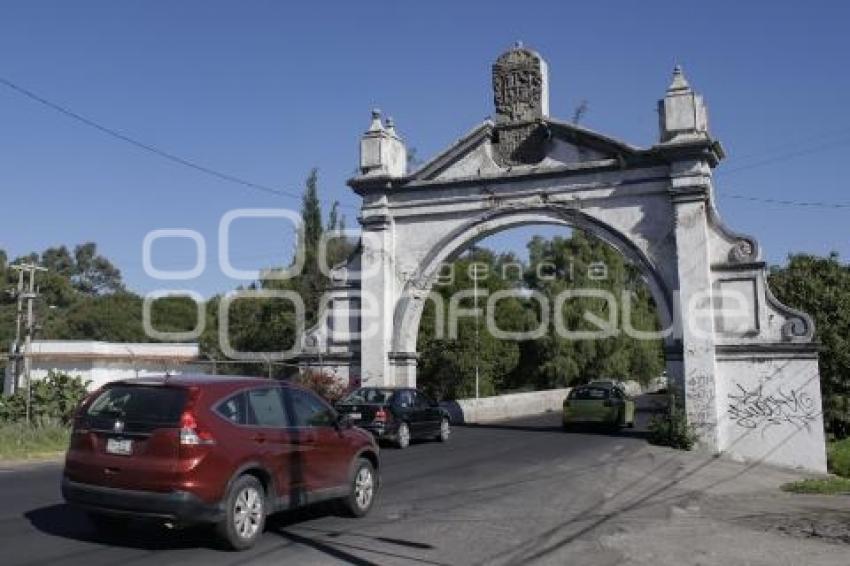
(477, 343)
(15, 350)
(29, 296)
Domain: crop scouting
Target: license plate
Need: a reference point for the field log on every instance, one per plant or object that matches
(355, 416)
(119, 446)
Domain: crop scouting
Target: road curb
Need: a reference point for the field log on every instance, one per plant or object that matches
(41, 459)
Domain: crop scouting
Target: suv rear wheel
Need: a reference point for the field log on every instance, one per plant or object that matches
(245, 513)
(364, 487)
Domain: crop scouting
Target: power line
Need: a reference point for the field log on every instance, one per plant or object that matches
(287, 194)
(150, 148)
(799, 143)
(785, 156)
(785, 202)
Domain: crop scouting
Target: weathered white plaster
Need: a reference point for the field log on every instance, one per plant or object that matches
(770, 409)
(655, 205)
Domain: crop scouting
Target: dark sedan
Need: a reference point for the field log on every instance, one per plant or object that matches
(398, 415)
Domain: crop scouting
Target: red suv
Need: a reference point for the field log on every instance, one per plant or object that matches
(221, 450)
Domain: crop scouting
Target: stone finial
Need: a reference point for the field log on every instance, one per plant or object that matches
(390, 126)
(682, 113)
(376, 121)
(679, 82)
(382, 151)
(520, 86)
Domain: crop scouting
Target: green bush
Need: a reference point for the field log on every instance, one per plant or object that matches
(672, 429)
(53, 400)
(838, 457)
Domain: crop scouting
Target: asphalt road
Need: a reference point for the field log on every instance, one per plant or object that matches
(439, 504)
(518, 492)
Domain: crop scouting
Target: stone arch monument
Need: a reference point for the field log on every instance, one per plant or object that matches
(746, 365)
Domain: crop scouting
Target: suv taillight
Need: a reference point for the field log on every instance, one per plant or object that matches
(190, 433)
(381, 416)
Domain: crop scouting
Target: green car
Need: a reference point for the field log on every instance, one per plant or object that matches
(599, 402)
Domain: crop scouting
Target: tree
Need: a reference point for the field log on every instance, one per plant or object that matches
(820, 286)
(116, 317)
(93, 274)
(447, 366)
(577, 263)
(334, 220)
(311, 216)
(311, 283)
(59, 261)
(338, 248)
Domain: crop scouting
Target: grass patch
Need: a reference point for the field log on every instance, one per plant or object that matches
(828, 486)
(838, 462)
(838, 457)
(19, 441)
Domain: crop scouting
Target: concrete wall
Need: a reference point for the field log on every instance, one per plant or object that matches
(99, 373)
(101, 362)
(771, 411)
(500, 407)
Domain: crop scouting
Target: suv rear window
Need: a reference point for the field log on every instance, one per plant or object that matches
(137, 404)
(369, 396)
(589, 393)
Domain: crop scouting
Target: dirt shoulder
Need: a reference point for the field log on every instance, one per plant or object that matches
(714, 511)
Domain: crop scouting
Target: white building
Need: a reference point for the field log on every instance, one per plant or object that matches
(101, 362)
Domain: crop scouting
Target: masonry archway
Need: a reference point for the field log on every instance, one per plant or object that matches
(747, 369)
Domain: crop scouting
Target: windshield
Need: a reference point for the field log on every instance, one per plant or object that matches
(369, 396)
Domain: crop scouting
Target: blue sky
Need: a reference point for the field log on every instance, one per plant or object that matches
(268, 90)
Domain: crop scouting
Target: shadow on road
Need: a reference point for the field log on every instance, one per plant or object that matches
(65, 521)
(327, 541)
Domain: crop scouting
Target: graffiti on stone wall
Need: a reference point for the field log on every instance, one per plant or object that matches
(753, 409)
(700, 402)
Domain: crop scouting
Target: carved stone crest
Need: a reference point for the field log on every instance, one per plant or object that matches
(520, 86)
(521, 96)
(520, 144)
